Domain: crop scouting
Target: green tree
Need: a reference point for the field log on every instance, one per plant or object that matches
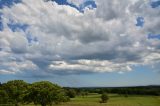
(3, 97)
(71, 93)
(15, 90)
(104, 98)
(45, 93)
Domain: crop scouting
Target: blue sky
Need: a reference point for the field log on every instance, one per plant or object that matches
(139, 77)
(80, 42)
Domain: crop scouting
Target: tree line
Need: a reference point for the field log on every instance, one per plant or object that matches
(139, 90)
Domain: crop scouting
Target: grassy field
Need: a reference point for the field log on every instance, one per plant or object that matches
(115, 100)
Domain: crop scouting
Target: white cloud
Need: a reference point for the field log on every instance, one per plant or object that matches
(6, 72)
(100, 40)
(88, 66)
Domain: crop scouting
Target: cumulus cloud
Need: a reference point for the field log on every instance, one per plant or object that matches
(66, 41)
(87, 66)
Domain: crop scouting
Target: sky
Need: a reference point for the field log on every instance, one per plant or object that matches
(81, 43)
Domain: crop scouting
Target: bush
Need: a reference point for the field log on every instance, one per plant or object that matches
(104, 98)
(71, 93)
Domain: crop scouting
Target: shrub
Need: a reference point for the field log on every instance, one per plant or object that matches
(104, 98)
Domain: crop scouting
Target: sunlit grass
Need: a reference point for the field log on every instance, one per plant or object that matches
(114, 100)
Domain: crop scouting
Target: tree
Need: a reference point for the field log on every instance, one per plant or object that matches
(45, 93)
(104, 98)
(3, 97)
(71, 93)
(126, 93)
(15, 90)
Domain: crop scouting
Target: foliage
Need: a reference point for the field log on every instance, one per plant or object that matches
(104, 98)
(14, 91)
(45, 93)
(3, 97)
(139, 90)
(71, 93)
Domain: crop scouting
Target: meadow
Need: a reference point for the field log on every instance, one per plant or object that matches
(114, 100)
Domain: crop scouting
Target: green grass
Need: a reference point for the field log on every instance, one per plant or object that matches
(114, 100)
